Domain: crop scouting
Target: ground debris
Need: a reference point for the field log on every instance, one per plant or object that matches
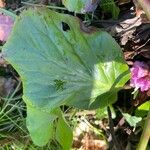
(86, 139)
(7, 86)
(133, 36)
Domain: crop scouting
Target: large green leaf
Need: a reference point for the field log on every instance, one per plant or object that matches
(81, 6)
(60, 61)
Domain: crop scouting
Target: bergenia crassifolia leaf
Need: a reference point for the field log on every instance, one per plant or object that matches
(61, 62)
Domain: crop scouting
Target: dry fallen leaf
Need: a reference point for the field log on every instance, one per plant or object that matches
(86, 139)
(6, 24)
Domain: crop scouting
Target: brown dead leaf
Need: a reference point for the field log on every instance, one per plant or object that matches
(85, 139)
(125, 29)
(91, 143)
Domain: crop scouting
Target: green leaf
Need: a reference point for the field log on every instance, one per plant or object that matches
(40, 125)
(109, 6)
(81, 6)
(60, 61)
(102, 113)
(64, 134)
(81, 67)
(143, 109)
(132, 120)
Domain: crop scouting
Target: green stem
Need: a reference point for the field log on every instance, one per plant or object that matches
(145, 4)
(145, 135)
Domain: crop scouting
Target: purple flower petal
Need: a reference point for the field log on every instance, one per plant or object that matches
(140, 76)
(6, 24)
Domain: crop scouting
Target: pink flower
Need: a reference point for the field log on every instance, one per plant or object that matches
(6, 24)
(140, 76)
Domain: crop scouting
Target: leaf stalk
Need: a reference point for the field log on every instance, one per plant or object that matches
(145, 134)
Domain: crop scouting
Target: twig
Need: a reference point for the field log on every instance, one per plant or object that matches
(142, 45)
(145, 135)
(111, 125)
(41, 5)
(98, 131)
(20, 9)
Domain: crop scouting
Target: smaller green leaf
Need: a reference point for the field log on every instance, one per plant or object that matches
(102, 113)
(64, 134)
(132, 120)
(143, 109)
(40, 125)
(145, 106)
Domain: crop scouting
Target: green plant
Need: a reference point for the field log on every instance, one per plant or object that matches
(109, 6)
(62, 62)
(12, 127)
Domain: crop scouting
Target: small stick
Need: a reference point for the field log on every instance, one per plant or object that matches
(41, 5)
